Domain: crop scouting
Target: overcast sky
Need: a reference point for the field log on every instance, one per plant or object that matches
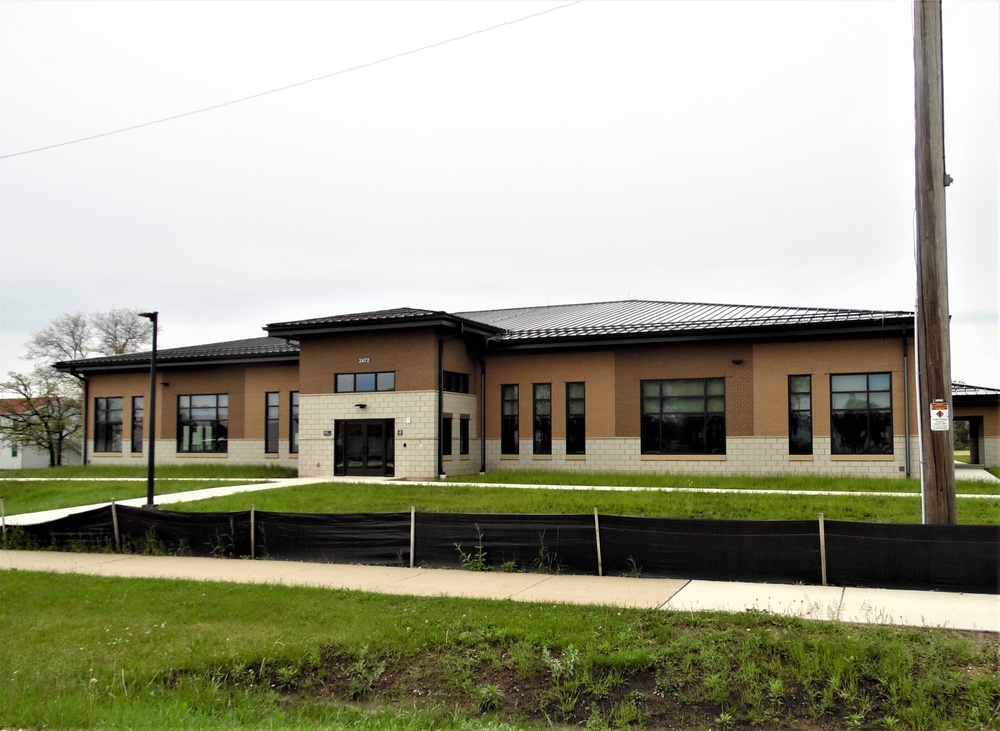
(732, 152)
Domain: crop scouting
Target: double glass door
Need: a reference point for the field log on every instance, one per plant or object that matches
(365, 447)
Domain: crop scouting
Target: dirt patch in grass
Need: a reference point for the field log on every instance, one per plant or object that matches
(496, 684)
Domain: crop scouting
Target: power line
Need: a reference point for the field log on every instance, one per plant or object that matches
(258, 95)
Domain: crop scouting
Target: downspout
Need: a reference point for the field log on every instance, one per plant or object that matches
(906, 405)
(83, 412)
(482, 416)
(440, 408)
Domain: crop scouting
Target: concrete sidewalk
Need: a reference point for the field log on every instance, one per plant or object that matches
(866, 606)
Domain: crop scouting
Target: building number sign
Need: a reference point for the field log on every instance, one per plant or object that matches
(364, 360)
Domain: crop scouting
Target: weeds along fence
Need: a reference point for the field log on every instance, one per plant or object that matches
(900, 556)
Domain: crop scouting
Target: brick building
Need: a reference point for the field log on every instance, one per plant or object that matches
(635, 386)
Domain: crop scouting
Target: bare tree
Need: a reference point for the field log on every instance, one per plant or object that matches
(67, 337)
(74, 335)
(45, 412)
(120, 330)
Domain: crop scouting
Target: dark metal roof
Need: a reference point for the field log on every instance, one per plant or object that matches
(645, 318)
(966, 392)
(543, 326)
(256, 349)
(377, 319)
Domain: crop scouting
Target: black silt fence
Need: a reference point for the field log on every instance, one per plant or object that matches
(91, 530)
(370, 538)
(727, 550)
(528, 542)
(903, 556)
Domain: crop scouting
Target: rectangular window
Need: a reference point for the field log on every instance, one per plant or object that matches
(138, 417)
(203, 423)
(684, 416)
(108, 424)
(364, 382)
(455, 382)
(861, 413)
(272, 416)
(293, 437)
(509, 415)
(463, 435)
(541, 400)
(446, 435)
(800, 415)
(576, 418)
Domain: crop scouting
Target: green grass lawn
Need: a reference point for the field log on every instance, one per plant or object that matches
(72, 486)
(95, 652)
(340, 497)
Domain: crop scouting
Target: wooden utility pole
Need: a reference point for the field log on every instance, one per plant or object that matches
(937, 464)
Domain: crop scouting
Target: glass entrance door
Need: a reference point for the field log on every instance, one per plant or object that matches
(365, 447)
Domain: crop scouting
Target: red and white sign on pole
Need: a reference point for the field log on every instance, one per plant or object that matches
(940, 420)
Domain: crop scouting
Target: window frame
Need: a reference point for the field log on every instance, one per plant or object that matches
(799, 444)
(138, 424)
(510, 414)
(219, 425)
(576, 423)
(293, 422)
(107, 430)
(841, 417)
(381, 381)
(541, 418)
(455, 382)
(464, 423)
(272, 422)
(447, 435)
(659, 429)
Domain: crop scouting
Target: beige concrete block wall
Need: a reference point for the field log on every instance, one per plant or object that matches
(991, 452)
(415, 414)
(745, 455)
(462, 405)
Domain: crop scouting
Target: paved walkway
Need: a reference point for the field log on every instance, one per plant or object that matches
(867, 606)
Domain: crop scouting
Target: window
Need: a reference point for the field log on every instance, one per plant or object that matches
(541, 400)
(203, 423)
(446, 424)
(455, 382)
(351, 382)
(108, 424)
(13, 450)
(272, 415)
(509, 436)
(576, 418)
(293, 437)
(463, 435)
(684, 416)
(800, 415)
(138, 417)
(861, 413)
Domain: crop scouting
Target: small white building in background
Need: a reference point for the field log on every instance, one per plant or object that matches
(14, 457)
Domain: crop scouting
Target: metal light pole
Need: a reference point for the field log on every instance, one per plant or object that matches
(151, 429)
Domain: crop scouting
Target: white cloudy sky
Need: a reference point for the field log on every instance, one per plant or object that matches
(737, 152)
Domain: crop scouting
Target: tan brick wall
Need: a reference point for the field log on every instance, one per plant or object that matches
(411, 354)
(258, 382)
(597, 369)
(688, 360)
(774, 362)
